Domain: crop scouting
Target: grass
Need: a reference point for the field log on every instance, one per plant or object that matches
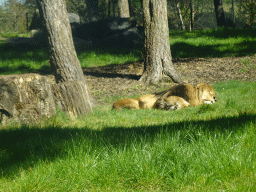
(202, 43)
(219, 42)
(204, 148)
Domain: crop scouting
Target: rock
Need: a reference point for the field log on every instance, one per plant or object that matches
(103, 28)
(73, 18)
(113, 32)
(126, 39)
(38, 39)
(37, 23)
(25, 98)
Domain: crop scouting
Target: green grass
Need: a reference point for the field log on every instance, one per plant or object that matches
(204, 148)
(219, 42)
(202, 43)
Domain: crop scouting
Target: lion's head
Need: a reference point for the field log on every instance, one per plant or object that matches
(206, 93)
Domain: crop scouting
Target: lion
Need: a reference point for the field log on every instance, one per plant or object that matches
(171, 103)
(194, 96)
(143, 102)
(177, 97)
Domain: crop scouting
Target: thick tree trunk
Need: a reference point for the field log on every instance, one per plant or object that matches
(157, 53)
(123, 8)
(63, 58)
(220, 17)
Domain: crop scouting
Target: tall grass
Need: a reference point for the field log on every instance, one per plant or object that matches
(204, 148)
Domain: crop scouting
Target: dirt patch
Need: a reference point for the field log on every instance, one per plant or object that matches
(122, 80)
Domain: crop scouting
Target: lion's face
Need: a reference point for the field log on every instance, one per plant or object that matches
(208, 96)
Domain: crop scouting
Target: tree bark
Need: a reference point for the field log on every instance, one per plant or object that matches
(157, 53)
(192, 15)
(114, 3)
(220, 17)
(25, 98)
(109, 8)
(180, 16)
(123, 8)
(233, 12)
(92, 10)
(63, 59)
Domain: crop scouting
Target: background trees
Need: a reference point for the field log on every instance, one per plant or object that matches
(242, 12)
(219, 11)
(123, 8)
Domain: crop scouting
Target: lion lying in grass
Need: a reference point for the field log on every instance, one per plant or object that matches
(177, 97)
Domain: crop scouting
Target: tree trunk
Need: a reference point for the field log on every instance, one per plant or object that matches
(220, 17)
(63, 59)
(192, 15)
(180, 17)
(123, 8)
(233, 12)
(109, 8)
(157, 53)
(114, 2)
(92, 10)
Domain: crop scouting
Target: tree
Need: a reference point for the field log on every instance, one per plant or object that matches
(180, 16)
(220, 17)
(192, 15)
(92, 9)
(71, 88)
(157, 53)
(123, 8)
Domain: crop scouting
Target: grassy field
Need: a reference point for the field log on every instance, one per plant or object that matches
(204, 148)
(184, 44)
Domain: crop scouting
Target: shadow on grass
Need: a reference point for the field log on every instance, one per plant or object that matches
(185, 50)
(40, 54)
(23, 148)
(220, 33)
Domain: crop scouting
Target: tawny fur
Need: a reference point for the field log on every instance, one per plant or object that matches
(177, 97)
(198, 95)
(143, 102)
(171, 103)
(126, 103)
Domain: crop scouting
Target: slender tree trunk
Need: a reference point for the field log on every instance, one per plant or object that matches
(192, 15)
(180, 17)
(233, 12)
(219, 11)
(123, 8)
(114, 3)
(92, 9)
(71, 89)
(157, 53)
(109, 8)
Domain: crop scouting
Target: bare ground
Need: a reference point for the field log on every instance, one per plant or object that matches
(122, 80)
